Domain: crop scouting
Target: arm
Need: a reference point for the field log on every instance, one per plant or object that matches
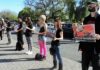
(19, 30)
(29, 28)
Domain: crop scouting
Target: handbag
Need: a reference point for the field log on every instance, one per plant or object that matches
(52, 50)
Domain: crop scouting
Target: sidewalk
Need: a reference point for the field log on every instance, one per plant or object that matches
(18, 60)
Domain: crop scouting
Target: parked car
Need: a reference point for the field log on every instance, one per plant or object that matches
(50, 25)
(67, 31)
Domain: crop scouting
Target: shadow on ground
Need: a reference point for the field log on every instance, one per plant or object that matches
(16, 60)
(42, 69)
(5, 54)
(6, 46)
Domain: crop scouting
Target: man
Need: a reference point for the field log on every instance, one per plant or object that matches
(91, 50)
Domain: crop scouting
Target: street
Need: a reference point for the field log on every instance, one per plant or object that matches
(69, 49)
(18, 60)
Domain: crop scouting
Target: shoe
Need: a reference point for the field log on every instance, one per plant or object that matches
(22, 48)
(29, 52)
(60, 67)
(55, 65)
(44, 57)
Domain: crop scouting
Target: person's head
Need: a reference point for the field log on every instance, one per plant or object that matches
(7, 20)
(42, 19)
(28, 20)
(81, 20)
(20, 20)
(57, 23)
(92, 6)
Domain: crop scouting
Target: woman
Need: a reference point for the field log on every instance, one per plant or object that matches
(28, 34)
(20, 34)
(55, 44)
(41, 36)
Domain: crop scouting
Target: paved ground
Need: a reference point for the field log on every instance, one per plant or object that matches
(18, 60)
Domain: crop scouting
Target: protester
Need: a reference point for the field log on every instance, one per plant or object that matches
(4, 26)
(20, 35)
(1, 28)
(41, 36)
(91, 50)
(28, 34)
(56, 43)
(8, 29)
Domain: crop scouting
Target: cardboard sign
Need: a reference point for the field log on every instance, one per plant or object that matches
(84, 33)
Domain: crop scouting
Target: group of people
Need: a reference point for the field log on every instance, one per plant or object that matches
(90, 50)
(5, 25)
(42, 38)
(27, 29)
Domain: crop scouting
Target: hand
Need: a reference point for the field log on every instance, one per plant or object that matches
(55, 39)
(97, 36)
(27, 27)
(16, 30)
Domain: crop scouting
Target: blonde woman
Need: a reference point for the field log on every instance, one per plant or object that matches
(41, 36)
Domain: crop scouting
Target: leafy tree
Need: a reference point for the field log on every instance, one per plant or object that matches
(53, 6)
(8, 14)
(26, 12)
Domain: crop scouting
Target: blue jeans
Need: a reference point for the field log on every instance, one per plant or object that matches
(57, 55)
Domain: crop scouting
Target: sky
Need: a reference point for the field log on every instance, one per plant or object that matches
(12, 5)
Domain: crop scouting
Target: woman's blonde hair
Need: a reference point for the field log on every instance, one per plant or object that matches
(43, 17)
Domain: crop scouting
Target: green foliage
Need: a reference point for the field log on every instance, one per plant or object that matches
(8, 14)
(26, 12)
(62, 8)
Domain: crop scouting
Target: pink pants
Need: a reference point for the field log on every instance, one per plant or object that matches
(43, 48)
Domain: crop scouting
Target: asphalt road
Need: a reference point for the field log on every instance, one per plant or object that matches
(68, 48)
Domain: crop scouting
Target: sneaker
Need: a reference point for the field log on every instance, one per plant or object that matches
(29, 52)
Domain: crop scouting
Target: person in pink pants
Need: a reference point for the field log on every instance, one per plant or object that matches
(41, 36)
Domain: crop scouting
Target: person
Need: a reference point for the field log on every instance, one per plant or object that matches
(28, 34)
(4, 26)
(42, 36)
(56, 43)
(81, 21)
(1, 28)
(20, 34)
(91, 50)
(8, 30)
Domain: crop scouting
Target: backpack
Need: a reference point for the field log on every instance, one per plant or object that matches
(52, 50)
(38, 57)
